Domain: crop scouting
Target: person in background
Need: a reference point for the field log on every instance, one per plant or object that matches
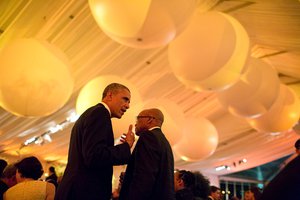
(92, 152)
(3, 164)
(201, 188)
(286, 183)
(256, 192)
(184, 182)
(215, 193)
(249, 195)
(29, 170)
(150, 171)
(52, 178)
(8, 179)
(190, 185)
(116, 192)
(297, 147)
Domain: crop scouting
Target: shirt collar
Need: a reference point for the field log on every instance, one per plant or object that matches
(106, 106)
(154, 127)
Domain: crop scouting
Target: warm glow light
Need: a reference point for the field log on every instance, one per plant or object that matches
(55, 128)
(220, 168)
(283, 114)
(254, 93)
(211, 52)
(197, 131)
(47, 137)
(142, 24)
(34, 78)
(29, 141)
(184, 158)
(73, 117)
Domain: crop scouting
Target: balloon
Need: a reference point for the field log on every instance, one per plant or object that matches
(91, 94)
(34, 78)
(283, 114)
(254, 93)
(211, 52)
(142, 24)
(295, 88)
(173, 118)
(199, 141)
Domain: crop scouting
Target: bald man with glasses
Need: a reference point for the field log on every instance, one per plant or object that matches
(150, 171)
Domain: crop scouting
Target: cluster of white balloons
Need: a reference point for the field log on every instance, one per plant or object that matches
(207, 51)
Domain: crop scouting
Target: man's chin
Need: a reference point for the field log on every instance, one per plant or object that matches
(117, 116)
(120, 116)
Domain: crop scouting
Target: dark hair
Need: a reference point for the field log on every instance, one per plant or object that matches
(113, 87)
(256, 191)
(3, 164)
(297, 144)
(52, 169)
(30, 167)
(214, 189)
(201, 188)
(187, 177)
(9, 171)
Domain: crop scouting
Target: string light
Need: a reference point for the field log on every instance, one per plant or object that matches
(45, 137)
(228, 167)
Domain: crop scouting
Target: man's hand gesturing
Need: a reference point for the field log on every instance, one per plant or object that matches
(129, 137)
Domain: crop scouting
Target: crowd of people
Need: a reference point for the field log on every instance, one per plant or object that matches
(92, 154)
(21, 181)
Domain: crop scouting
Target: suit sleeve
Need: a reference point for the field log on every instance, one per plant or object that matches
(147, 160)
(98, 142)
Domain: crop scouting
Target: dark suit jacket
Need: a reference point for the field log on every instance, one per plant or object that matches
(92, 154)
(285, 186)
(3, 188)
(52, 179)
(150, 171)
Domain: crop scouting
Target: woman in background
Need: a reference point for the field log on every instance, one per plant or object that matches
(29, 170)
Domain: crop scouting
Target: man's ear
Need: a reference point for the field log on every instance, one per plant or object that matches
(109, 95)
(180, 182)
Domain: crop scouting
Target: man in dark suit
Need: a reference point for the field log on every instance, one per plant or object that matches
(150, 171)
(285, 185)
(92, 153)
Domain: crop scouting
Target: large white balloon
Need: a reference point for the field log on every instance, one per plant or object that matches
(283, 114)
(211, 52)
(142, 24)
(254, 93)
(199, 141)
(173, 118)
(91, 94)
(35, 78)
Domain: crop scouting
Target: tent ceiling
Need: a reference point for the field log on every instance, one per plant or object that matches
(273, 27)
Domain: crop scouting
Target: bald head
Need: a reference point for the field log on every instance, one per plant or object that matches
(156, 114)
(147, 119)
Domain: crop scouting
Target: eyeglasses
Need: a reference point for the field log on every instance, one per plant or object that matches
(144, 116)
